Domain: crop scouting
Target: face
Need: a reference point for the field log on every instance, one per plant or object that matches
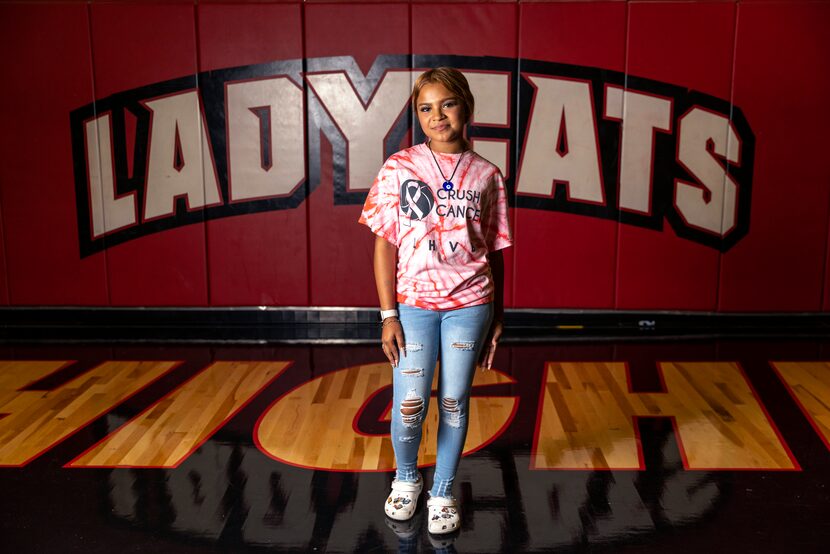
(441, 115)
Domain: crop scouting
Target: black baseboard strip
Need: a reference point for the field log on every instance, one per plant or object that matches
(337, 325)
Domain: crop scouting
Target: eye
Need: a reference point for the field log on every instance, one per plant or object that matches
(450, 104)
(424, 108)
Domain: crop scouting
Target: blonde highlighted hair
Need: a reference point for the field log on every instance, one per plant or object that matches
(453, 80)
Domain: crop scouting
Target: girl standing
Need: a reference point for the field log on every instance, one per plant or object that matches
(439, 211)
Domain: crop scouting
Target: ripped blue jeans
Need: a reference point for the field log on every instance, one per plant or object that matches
(458, 335)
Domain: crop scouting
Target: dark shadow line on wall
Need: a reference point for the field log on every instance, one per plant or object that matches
(517, 142)
(826, 250)
(307, 200)
(615, 299)
(107, 284)
(5, 256)
(823, 281)
(731, 116)
(208, 297)
(413, 117)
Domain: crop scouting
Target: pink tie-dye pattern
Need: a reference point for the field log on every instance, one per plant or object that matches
(440, 279)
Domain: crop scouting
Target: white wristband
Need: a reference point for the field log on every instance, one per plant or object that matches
(388, 313)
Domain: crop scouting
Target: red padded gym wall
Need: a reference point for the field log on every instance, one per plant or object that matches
(659, 155)
(781, 84)
(4, 283)
(341, 249)
(260, 258)
(47, 73)
(687, 44)
(134, 45)
(572, 256)
(465, 29)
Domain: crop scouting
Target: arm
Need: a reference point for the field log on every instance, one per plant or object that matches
(496, 260)
(497, 268)
(385, 264)
(498, 237)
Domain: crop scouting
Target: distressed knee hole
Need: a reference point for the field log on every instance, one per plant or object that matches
(464, 345)
(406, 438)
(450, 404)
(414, 346)
(451, 411)
(412, 408)
(413, 372)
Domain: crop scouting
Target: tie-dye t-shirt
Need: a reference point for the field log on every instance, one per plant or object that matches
(442, 236)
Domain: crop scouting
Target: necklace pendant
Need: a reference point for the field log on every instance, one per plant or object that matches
(447, 185)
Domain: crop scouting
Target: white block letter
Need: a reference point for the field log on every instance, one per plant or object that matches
(249, 176)
(561, 115)
(711, 203)
(492, 94)
(363, 127)
(107, 212)
(641, 114)
(180, 162)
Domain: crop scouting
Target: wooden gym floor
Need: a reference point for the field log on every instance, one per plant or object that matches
(664, 446)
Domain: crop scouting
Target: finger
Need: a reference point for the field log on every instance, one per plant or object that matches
(486, 350)
(482, 356)
(484, 362)
(394, 351)
(391, 350)
(490, 355)
(485, 353)
(496, 334)
(388, 355)
(401, 343)
(396, 346)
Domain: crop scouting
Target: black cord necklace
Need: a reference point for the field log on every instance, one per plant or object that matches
(447, 182)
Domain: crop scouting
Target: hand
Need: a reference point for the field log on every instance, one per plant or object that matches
(392, 340)
(489, 350)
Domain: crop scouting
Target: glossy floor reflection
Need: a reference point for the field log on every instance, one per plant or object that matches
(627, 447)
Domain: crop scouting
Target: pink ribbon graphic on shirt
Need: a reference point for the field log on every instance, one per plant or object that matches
(416, 199)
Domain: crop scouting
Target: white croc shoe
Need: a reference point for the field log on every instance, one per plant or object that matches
(402, 501)
(444, 515)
